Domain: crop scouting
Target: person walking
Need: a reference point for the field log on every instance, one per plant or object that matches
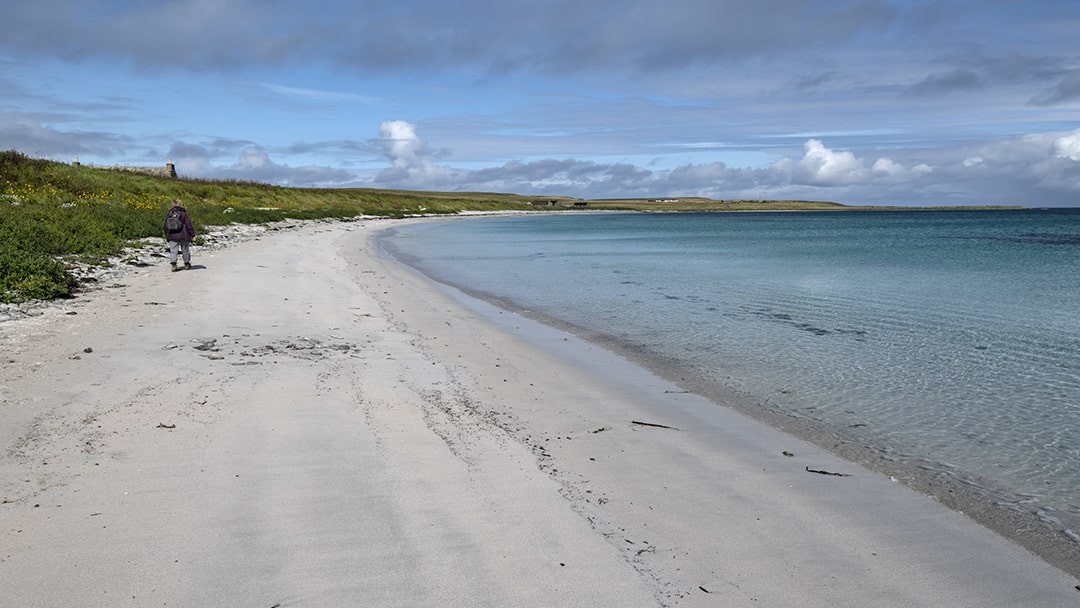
(179, 233)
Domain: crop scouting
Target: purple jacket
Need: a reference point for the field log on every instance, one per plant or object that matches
(187, 234)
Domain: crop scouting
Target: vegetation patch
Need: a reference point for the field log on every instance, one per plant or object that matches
(51, 212)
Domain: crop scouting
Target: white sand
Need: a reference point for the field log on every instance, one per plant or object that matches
(357, 437)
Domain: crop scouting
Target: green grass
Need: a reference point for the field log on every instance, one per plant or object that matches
(51, 212)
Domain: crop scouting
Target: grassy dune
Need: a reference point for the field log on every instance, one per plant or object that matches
(52, 212)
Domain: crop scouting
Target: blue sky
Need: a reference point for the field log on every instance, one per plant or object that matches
(857, 101)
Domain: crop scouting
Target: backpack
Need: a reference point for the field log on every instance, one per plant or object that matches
(173, 222)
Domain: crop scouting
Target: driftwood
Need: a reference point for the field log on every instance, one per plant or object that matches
(809, 470)
(659, 426)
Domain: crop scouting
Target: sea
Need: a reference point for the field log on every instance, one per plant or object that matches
(942, 344)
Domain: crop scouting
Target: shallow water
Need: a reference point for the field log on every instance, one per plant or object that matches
(947, 340)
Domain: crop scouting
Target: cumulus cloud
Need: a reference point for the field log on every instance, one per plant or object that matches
(821, 166)
(1068, 146)
(402, 146)
(1058, 169)
(885, 166)
(409, 156)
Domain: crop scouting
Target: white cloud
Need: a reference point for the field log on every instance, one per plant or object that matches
(821, 166)
(408, 155)
(252, 158)
(1068, 146)
(885, 166)
(401, 144)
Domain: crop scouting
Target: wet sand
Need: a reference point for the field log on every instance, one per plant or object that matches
(299, 421)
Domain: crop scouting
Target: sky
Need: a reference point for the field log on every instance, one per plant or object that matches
(862, 102)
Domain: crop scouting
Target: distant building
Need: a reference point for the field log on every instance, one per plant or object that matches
(545, 203)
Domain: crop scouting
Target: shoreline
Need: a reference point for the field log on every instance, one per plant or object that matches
(336, 427)
(976, 502)
(1002, 512)
(966, 494)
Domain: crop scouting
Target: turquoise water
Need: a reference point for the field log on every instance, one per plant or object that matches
(947, 341)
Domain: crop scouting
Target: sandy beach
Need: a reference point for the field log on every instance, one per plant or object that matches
(299, 421)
